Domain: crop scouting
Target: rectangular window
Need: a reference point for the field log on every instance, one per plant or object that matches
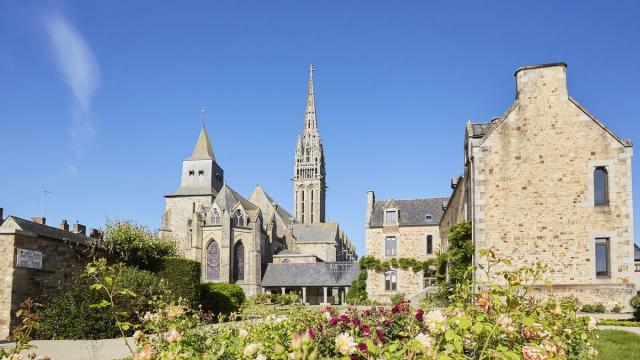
(390, 246)
(429, 244)
(637, 267)
(430, 281)
(601, 186)
(391, 217)
(390, 281)
(602, 258)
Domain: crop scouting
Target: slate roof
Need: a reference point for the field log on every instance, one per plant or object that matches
(313, 233)
(194, 191)
(410, 212)
(203, 149)
(636, 252)
(45, 230)
(281, 212)
(228, 198)
(310, 274)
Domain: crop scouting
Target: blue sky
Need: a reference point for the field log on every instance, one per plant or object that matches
(99, 101)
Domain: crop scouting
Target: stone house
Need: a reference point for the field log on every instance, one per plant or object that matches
(37, 260)
(237, 239)
(401, 229)
(549, 182)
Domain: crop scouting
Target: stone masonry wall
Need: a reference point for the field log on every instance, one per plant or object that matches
(60, 262)
(533, 190)
(411, 243)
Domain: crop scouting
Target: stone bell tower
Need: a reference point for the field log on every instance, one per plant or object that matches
(309, 185)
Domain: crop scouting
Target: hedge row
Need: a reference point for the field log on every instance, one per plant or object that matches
(182, 278)
(221, 298)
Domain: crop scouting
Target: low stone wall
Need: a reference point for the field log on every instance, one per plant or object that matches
(607, 294)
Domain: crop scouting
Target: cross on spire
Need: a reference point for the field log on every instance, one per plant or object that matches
(203, 111)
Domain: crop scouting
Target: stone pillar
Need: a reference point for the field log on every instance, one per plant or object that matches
(282, 290)
(264, 291)
(304, 295)
(342, 295)
(324, 289)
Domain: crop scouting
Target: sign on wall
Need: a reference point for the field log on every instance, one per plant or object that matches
(29, 259)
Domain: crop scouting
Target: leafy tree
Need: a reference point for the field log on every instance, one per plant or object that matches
(358, 291)
(135, 245)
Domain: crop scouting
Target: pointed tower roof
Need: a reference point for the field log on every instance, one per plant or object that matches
(203, 149)
(310, 120)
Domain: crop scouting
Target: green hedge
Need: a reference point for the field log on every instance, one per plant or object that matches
(590, 308)
(69, 315)
(182, 278)
(221, 298)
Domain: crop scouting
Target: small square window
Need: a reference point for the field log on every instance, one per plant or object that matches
(191, 172)
(200, 172)
(428, 217)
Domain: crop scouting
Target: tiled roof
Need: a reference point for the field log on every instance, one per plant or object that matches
(310, 274)
(45, 230)
(410, 212)
(480, 130)
(227, 199)
(311, 233)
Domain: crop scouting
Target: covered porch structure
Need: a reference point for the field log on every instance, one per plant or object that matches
(323, 283)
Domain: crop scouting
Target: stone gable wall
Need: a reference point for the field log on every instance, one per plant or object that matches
(533, 191)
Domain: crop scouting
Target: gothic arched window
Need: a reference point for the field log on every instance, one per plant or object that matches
(238, 262)
(215, 217)
(238, 218)
(213, 261)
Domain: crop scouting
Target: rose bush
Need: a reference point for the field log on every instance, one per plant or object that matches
(502, 319)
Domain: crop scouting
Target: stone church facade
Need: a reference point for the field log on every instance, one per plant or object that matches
(549, 182)
(236, 239)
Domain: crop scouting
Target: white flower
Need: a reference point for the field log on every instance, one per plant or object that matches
(345, 344)
(592, 323)
(434, 320)
(137, 335)
(172, 336)
(327, 315)
(251, 349)
(243, 333)
(506, 323)
(425, 340)
(292, 356)
(261, 357)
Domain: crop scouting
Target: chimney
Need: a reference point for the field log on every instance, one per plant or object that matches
(64, 225)
(39, 220)
(80, 229)
(537, 82)
(371, 199)
(94, 233)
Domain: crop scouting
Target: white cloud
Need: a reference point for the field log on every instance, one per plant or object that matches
(79, 69)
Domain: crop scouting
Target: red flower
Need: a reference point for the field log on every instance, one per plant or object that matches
(386, 323)
(380, 334)
(395, 309)
(344, 318)
(366, 331)
(420, 315)
(333, 321)
(356, 321)
(362, 347)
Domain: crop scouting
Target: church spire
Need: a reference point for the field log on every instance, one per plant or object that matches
(203, 149)
(310, 120)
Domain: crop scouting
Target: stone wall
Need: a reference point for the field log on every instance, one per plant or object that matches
(60, 261)
(410, 243)
(325, 251)
(533, 192)
(454, 213)
(294, 259)
(178, 211)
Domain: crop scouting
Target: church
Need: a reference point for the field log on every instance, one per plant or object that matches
(255, 242)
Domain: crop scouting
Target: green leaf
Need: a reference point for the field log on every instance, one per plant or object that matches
(108, 280)
(477, 328)
(96, 286)
(449, 334)
(465, 323)
(101, 304)
(457, 342)
(528, 321)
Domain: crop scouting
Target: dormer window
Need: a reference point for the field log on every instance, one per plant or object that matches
(428, 217)
(200, 172)
(238, 218)
(215, 217)
(391, 217)
(191, 172)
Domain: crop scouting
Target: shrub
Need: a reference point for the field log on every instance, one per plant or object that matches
(69, 315)
(635, 304)
(617, 309)
(260, 299)
(135, 245)
(221, 298)
(357, 293)
(286, 299)
(182, 278)
(590, 308)
(397, 298)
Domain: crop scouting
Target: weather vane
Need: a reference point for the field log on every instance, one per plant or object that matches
(203, 111)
